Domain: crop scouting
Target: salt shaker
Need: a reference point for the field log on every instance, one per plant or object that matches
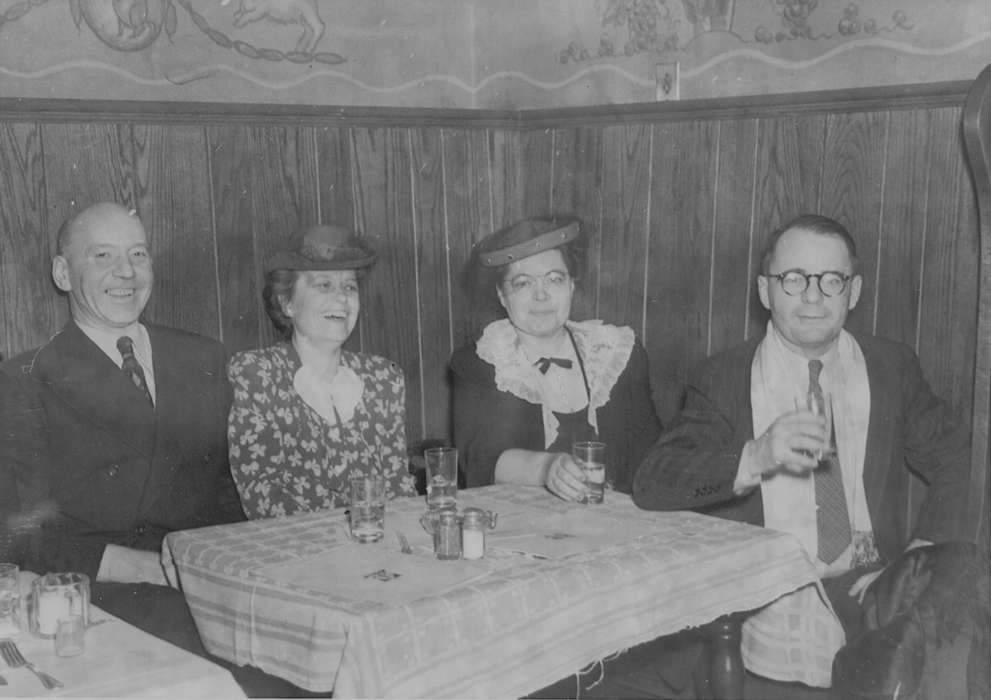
(473, 526)
(447, 536)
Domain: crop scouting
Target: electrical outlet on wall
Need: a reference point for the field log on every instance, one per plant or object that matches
(666, 75)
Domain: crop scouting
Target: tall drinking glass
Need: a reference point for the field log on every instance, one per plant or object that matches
(591, 457)
(442, 477)
(823, 408)
(367, 510)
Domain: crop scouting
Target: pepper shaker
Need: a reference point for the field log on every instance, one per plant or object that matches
(447, 536)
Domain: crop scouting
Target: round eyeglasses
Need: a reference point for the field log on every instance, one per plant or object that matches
(795, 282)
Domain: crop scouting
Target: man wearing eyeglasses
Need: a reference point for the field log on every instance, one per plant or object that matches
(812, 429)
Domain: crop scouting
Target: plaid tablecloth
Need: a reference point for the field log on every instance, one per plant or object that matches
(562, 585)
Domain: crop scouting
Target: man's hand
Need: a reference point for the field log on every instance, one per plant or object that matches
(126, 565)
(860, 586)
(790, 442)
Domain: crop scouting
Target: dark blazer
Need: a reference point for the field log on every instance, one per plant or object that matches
(694, 464)
(85, 460)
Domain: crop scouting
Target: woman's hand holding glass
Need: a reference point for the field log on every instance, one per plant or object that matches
(565, 478)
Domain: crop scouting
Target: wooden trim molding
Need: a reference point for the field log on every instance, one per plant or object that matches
(926, 95)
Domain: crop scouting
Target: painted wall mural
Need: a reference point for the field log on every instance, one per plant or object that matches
(480, 53)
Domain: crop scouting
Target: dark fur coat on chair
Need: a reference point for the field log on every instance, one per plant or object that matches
(926, 622)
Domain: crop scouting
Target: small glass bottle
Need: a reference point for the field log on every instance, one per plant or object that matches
(447, 536)
(473, 529)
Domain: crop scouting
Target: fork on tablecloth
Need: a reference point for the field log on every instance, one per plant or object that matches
(12, 655)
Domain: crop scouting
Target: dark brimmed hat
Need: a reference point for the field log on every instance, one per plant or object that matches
(526, 238)
(323, 248)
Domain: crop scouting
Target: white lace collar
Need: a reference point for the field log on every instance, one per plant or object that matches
(604, 350)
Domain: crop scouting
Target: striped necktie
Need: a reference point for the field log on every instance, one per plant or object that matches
(832, 516)
(131, 367)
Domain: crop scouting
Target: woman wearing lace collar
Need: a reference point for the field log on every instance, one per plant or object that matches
(536, 381)
(306, 412)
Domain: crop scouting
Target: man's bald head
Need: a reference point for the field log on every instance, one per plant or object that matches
(95, 215)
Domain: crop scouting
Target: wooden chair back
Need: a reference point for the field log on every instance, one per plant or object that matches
(977, 141)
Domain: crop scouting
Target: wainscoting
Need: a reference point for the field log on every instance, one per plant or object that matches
(677, 199)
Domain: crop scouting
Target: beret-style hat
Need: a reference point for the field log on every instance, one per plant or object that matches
(323, 248)
(526, 238)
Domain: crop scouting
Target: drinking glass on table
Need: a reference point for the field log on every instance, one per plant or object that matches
(55, 596)
(70, 636)
(10, 600)
(442, 477)
(367, 511)
(591, 457)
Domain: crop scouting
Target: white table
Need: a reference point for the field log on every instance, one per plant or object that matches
(119, 661)
(294, 597)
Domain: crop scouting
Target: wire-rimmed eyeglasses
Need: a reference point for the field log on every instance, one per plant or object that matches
(552, 281)
(795, 282)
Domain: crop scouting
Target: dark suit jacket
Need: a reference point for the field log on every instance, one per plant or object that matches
(85, 460)
(693, 465)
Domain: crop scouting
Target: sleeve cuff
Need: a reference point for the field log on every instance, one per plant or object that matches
(745, 480)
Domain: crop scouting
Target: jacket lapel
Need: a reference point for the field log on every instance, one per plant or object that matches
(880, 440)
(95, 388)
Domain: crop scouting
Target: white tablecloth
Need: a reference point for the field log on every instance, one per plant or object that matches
(294, 597)
(119, 661)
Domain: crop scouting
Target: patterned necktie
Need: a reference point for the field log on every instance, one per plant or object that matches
(832, 517)
(544, 363)
(131, 367)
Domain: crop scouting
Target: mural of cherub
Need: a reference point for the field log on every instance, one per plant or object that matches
(302, 12)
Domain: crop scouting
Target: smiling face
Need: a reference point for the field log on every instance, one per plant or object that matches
(536, 293)
(105, 267)
(809, 323)
(324, 305)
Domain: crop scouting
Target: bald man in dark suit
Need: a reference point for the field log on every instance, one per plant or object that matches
(113, 433)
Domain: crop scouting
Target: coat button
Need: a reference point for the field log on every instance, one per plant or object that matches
(113, 470)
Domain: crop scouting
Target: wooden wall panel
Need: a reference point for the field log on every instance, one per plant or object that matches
(469, 218)
(176, 210)
(679, 262)
(625, 192)
(507, 186)
(850, 192)
(536, 165)
(383, 182)
(335, 190)
(733, 235)
(789, 163)
(436, 338)
(576, 189)
(908, 170)
(264, 189)
(88, 163)
(944, 280)
(676, 211)
(29, 309)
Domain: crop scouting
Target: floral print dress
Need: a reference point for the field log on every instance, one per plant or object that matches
(285, 458)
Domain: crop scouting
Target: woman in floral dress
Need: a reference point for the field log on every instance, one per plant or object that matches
(306, 412)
